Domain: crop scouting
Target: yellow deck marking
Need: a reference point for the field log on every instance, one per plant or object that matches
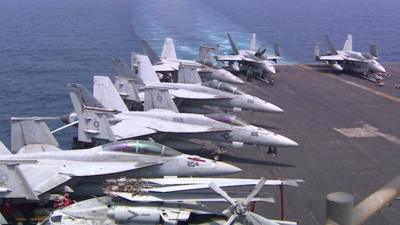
(384, 95)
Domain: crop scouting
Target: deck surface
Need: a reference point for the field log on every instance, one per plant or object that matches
(349, 136)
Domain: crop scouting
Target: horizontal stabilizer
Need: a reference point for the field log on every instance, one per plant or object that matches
(30, 131)
(13, 184)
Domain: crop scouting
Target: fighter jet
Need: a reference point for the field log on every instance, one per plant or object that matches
(253, 57)
(39, 167)
(170, 63)
(190, 93)
(108, 118)
(349, 60)
(138, 207)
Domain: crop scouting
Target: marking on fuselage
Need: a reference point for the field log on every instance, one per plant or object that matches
(366, 131)
(384, 95)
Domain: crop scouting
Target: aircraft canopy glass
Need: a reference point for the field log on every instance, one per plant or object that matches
(140, 147)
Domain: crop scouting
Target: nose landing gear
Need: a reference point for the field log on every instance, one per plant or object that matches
(273, 150)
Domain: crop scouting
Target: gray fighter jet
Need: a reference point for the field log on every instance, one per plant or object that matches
(39, 168)
(253, 57)
(170, 63)
(349, 60)
(189, 93)
(139, 207)
(108, 118)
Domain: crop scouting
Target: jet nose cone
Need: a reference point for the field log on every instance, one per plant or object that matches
(271, 70)
(269, 107)
(283, 141)
(231, 78)
(225, 168)
(236, 80)
(381, 69)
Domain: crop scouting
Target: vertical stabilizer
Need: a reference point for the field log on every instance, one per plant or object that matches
(123, 70)
(145, 70)
(233, 45)
(330, 45)
(373, 50)
(205, 57)
(348, 44)
(3, 149)
(158, 98)
(149, 51)
(80, 96)
(253, 43)
(29, 131)
(107, 94)
(94, 124)
(188, 75)
(168, 51)
(317, 52)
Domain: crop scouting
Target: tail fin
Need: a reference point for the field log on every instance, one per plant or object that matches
(4, 150)
(123, 70)
(148, 50)
(348, 44)
(146, 71)
(373, 50)
(277, 49)
(107, 94)
(168, 51)
(188, 75)
(95, 124)
(205, 57)
(317, 52)
(158, 98)
(80, 96)
(330, 45)
(28, 131)
(253, 43)
(233, 45)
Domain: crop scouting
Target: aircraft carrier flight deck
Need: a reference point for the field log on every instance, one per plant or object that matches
(348, 133)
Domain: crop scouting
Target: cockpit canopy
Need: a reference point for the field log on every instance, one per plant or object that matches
(367, 55)
(140, 147)
(227, 118)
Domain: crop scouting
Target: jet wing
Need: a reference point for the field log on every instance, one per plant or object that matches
(273, 58)
(229, 58)
(47, 175)
(331, 58)
(130, 129)
(182, 93)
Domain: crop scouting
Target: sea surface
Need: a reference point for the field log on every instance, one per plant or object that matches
(45, 44)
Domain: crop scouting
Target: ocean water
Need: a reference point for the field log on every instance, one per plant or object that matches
(45, 44)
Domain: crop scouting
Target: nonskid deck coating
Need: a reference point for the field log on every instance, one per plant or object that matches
(318, 104)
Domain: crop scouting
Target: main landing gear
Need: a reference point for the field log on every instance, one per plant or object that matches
(217, 154)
